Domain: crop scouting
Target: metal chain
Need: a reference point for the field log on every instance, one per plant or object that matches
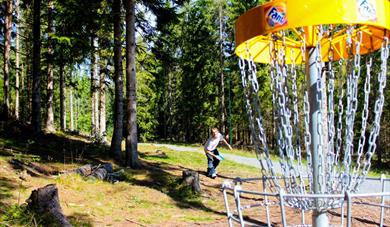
(306, 110)
(354, 101)
(319, 97)
(335, 175)
(378, 112)
(339, 125)
(331, 129)
(362, 139)
(352, 84)
(282, 113)
(249, 74)
(296, 122)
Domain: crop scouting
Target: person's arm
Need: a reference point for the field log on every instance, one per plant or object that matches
(230, 147)
(210, 153)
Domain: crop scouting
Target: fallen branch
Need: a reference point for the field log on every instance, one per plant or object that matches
(32, 169)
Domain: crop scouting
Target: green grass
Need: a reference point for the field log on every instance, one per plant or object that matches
(189, 158)
(195, 160)
(17, 215)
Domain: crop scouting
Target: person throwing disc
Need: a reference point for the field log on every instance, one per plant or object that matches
(212, 154)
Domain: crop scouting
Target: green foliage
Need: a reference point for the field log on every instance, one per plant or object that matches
(146, 97)
(16, 215)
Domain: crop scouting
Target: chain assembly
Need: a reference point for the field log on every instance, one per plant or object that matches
(341, 161)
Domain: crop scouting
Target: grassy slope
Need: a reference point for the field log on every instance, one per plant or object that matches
(374, 172)
(152, 196)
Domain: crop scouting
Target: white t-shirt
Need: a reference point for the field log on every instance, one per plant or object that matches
(213, 142)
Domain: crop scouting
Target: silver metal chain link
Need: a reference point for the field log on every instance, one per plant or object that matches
(377, 112)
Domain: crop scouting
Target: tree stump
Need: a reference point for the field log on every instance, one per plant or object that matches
(45, 202)
(191, 178)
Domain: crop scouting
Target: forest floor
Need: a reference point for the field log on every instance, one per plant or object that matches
(151, 196)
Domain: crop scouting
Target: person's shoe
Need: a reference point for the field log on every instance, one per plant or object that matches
(214, 175)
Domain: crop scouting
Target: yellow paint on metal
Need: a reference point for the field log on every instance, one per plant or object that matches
(254, 28)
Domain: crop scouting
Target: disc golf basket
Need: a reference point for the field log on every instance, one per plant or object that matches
(327, 65)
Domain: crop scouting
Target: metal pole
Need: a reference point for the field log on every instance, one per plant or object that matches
(238, 204)
(319, 218)
(225, 185)
(349, 208)
(266, 202)
(383, 183)
(282, 208)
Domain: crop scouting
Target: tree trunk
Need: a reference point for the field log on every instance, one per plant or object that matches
(221, 62)
(50, 81)
(17, 62)
(45, 202)
(62, 98)
(77, 113)
(94, 87)
(102, 104)
(36, 93)
(23, 96)
(71, 109)
(131, 91)
(29, 90)
(118, 77)
(7, 50)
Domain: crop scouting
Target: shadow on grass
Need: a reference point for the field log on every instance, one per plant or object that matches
(13, 214)
(19, 140)
(54, 148)
(78, 219)
(159, 179)
(6, 188)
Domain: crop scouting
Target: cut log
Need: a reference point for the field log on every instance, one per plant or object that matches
(45, 203)
(31, 169)
(191, 178)
(101, 171)
(85, 170)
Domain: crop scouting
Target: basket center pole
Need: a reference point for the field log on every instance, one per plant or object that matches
(318, 123)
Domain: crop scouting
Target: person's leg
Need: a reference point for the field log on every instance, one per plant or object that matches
(215, 163)
(210, 165)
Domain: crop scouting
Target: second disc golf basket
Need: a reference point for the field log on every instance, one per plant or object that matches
(327, 65)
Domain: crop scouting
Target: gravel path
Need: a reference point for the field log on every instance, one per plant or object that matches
(369, 185)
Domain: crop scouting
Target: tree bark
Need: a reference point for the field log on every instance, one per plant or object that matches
(45, 202)
(36, 93)
(7, 50)
(118, 77)
(102, 104)
(131, 91)
(71, 109)
(17, 62)
(77, 114)
(62, 98)
(221, 62)
(50, 81)
(94, 87)
(191, 178)
(29, 89)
